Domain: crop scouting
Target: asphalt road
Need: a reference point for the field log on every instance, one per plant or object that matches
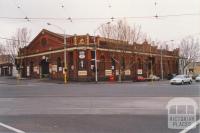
(35, 106)
(35, 88)
(90, 124)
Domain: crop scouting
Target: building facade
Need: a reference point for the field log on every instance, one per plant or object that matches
(44, 57)
(6, 66)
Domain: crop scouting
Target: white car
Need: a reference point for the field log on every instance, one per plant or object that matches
(197, 79)
(154, 77)
(181, 79)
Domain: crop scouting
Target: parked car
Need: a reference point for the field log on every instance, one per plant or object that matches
(139, 79)
(154, 77)
(194, 76)
(171, 76)
(181, 79)
(197, 79)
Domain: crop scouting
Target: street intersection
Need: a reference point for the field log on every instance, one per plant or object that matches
(38, 106)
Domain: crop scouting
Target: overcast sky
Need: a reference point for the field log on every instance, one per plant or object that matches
(163, 29)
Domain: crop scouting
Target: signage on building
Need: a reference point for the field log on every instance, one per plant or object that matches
(60, 69)
(139, 71)
(113, 67)
(92, 67)
(128, 72)
(50, 70)
(36, 69)
(82, 73)
(117, 72)
(81, 54)
(54, 68)
(28, 71)
(108, 72)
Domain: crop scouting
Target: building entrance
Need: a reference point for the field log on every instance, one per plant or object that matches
(44, 68)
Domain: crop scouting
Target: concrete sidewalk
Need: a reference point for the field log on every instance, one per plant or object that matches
(13, 80)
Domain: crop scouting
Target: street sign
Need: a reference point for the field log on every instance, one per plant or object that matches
(139, 71)
(81, 54)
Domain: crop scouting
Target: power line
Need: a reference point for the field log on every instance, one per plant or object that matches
(102, 18)
(4, 38)
(21, 10)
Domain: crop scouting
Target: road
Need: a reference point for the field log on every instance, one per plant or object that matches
(36, 106)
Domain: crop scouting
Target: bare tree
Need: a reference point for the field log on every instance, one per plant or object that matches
(19, 40)
(124, 35)
(189, 50)
(123, 31)
(2, 49)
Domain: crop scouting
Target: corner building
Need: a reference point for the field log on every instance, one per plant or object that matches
(44, 58)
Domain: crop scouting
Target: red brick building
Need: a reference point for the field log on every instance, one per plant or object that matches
(43, 57)
(6, 65)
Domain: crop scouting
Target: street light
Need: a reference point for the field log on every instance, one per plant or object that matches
(65, 54)
(96, 74)
(161, 59)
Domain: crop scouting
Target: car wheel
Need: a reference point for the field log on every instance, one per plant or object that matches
(182, 82)
(190, 81)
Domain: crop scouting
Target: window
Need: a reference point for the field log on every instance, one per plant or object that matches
(102, 63)
(59, 64)
(181, 109)
(172, 109)
(43, 41)
(93, 54)
(122, 62)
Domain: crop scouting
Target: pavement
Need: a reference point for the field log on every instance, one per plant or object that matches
(34, 106)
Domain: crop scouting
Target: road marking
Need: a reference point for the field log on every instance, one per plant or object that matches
(11, 128)
(190, 127)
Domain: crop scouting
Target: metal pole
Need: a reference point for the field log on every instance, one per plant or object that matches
(95, 51)
(65, 59)
(65, 52)
(161, 63)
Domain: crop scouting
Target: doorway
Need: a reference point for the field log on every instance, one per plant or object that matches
(44, 68)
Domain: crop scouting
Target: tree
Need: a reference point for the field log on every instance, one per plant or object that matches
(189, 50)
(124, 36)
(19, 40)
(123, 32)
(2, 49)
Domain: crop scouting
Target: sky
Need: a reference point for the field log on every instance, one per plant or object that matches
(161, 29)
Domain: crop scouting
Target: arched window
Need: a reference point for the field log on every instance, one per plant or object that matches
(123, 63)
(102, 63)
(44, 41)
(31, 68)
(139, 63)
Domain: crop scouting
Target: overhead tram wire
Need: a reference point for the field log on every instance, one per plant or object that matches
(64, 11)
(156, 12)
(103, 18)
(21, 10)
(9, 39)
(4, 38)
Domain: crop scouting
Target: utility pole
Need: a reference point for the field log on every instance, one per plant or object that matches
(161, 62)
(95, 51)
(65, 52)
(65, 59)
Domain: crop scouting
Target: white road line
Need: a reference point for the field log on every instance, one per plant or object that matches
(11, 128)
(190, 127)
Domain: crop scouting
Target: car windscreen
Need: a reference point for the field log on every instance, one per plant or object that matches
(179, 76)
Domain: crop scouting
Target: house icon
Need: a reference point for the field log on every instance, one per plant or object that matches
(181, 112)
